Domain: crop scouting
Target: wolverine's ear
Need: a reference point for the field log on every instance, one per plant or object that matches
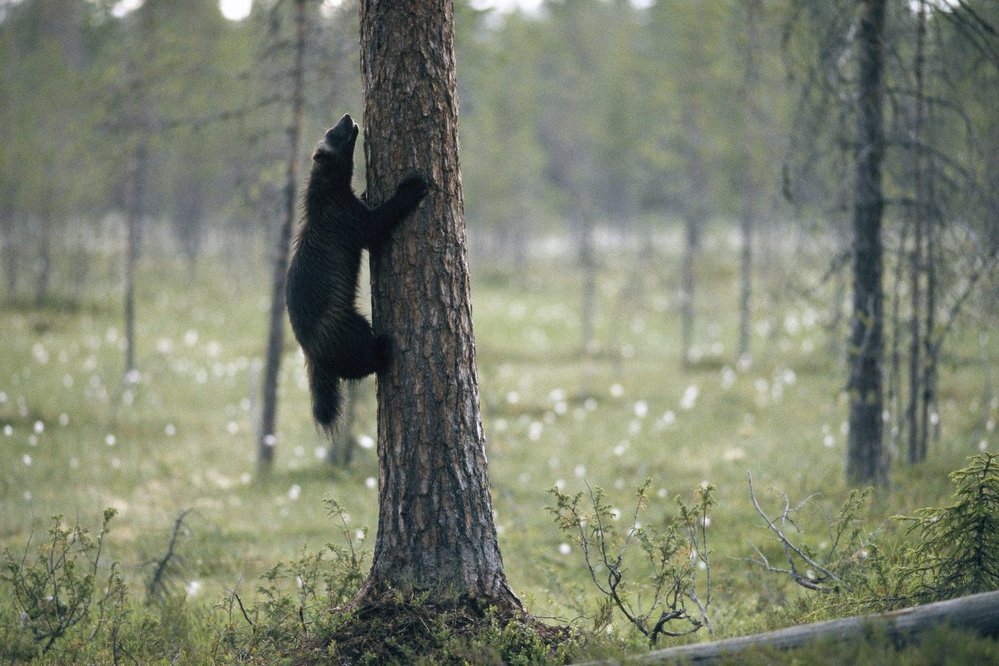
(322, 150)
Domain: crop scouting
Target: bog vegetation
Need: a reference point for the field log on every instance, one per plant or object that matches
(656, 202)
(167, 543)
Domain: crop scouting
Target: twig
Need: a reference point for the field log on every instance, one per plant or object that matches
(789, 548)
(242, 610)
(157, 580)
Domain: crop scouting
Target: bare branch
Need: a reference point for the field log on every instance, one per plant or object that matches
(790, 548)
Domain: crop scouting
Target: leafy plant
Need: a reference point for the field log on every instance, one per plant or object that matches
(946, 552)
(56, 589)
(830, 567)
(957, 547)
(346, 574)
(670, 559)
(323, 583)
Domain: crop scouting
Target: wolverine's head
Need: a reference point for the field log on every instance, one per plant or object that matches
(336, 150)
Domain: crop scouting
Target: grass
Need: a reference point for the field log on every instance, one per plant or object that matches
(75, 438)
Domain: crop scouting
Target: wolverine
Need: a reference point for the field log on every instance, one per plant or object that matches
(321, 290)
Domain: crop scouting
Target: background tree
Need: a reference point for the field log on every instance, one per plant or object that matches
(501, 93)
(865, 462)
(689, 113)
(943, 163)
(50, 121)
(748, 184)
(276, 320)
(436, 533)
(936, 251)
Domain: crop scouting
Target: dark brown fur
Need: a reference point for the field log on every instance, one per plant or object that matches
(322, 277)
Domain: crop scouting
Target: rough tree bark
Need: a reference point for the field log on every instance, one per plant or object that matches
(436, 533)
(865, 462)
(275, 328)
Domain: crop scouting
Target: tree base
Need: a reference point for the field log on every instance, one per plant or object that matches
(393, 629)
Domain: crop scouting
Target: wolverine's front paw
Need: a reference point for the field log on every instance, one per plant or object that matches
(412, 188)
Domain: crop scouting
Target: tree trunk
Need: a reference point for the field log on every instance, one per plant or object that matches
(137, 156)
(932, 338)
(275, 336)
(747, 217)
(917, 445)
(436, 533)
(11, 251)
(865, 462)
(134, 194)
(43, 265)
(586, 256)
(694, 217)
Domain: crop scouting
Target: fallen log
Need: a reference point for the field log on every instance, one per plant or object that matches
(978, 613)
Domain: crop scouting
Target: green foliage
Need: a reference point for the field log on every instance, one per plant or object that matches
(668, 564)
(498, 640)
(829, 567)
(956, 547)
(410, 630)
(307, 596)
(59, 587)
(945, 552)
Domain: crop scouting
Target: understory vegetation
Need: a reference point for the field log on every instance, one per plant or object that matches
(641, 502)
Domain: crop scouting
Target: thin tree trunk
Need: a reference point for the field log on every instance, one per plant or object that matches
(931, 343)
(694, 218)
(932, 338)
(136, 151)
(8, 210)
(275, 337)
(435, 521)
(746, 224)
(835, 341)
(43, 267)
(865, 462)
(917, 445)
(134, 195)
(688, 283)
(751, 77)
(588, 265)
(10, 252)
(893, 389)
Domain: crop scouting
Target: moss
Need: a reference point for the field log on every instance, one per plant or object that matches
(407, 631)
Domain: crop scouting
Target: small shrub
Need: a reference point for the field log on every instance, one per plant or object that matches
(55, 590)
(946, 552)
(670, 560)
(956, 551)
(829, 567)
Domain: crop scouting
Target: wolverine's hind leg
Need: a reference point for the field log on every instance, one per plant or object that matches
(360, 352)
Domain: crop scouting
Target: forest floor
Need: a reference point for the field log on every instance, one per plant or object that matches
(76, 437)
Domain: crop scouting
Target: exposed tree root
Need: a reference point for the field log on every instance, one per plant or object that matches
(399, 630)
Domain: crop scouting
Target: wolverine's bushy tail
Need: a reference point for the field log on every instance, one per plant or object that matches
(325, 388)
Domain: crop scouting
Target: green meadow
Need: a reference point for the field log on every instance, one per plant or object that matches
(76, 437)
